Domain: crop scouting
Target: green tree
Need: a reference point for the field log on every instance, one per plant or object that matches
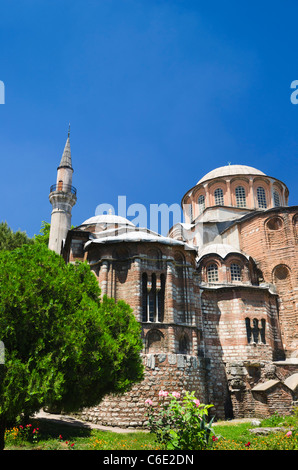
(64, 347)
(10, 240)
(44, 234)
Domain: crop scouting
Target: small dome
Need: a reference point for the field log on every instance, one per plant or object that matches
(230, 170)
(221, 249)
(107, 219)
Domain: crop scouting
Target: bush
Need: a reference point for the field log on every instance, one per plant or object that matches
(180, 424)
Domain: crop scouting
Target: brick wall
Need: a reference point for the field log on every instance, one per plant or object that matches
(171, 372)
(270, 238)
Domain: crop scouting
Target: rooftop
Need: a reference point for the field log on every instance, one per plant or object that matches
(230, 170)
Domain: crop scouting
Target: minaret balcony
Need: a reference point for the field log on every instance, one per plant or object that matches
(65, 188)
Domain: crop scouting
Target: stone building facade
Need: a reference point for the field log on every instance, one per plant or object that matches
(216, 298)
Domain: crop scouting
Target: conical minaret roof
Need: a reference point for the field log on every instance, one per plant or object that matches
(66, 157)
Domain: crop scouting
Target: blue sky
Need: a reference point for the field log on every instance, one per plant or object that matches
(158, 93)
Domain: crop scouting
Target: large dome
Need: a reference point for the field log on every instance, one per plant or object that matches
(230, 170)
(107, 219)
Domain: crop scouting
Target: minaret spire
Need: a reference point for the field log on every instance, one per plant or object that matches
(63, 198)
(66, 156)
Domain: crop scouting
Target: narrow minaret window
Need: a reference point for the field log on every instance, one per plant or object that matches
(63, 198)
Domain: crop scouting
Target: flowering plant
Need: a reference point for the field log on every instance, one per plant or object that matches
(180, 424)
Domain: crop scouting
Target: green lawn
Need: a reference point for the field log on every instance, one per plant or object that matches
(47, 435)
(58, 436)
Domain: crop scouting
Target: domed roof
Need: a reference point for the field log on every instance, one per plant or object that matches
(221, 249)
(230, 170)
(108, 219)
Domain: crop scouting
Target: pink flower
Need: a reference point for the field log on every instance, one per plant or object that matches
(196, 402)
(149, 402)
(163, 393)
(289, 433)
(176, 394)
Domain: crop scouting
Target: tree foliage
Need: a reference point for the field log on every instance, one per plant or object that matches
(10, 240)
(64, 347)
(44, 234)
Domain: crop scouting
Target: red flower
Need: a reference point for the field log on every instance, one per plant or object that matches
(72, 445)
(247, 445)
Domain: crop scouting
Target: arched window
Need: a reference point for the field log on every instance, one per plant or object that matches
(240, 196)
(255, 332)
(161, 298)
(212, 273)
(153, 298)
(261, 196)
(183, 346)
(144, 297)
(154, 341)
(201, 203)
(276, 199)
(274, 223)
(235, 272)
(218, 197)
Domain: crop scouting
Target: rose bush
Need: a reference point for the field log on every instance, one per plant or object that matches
(180, 424)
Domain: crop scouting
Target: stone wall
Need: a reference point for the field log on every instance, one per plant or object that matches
(258, 389)
(171, 372)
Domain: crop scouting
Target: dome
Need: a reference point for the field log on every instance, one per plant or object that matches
(221, 249)
(230, 170)
(107, 219)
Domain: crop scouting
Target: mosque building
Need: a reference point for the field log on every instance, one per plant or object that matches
(217, 298)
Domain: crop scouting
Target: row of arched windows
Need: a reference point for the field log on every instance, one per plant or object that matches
(235, 272)
(155, 342)
(241, 198)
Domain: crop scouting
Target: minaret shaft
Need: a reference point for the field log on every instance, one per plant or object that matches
(63, 198)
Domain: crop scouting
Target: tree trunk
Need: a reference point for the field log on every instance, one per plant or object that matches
(2, 433)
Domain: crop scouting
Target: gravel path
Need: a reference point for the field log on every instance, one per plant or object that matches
(77, 422)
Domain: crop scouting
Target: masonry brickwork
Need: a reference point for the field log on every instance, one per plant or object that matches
(216, 299)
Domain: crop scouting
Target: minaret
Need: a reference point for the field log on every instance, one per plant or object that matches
(63, 198)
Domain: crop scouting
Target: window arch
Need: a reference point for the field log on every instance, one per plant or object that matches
(218, 197)
(154, 341)
(153, 298)
(261, 197)
(235, 270)
(212, 272)
(274, 223)
(183, 344)
(281, 273)
(201, 203)
(240, 196)
(276, 199)
(255, 330)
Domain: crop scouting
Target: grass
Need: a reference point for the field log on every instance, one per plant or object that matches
(58, 436)
(239, 437)
(47, 435)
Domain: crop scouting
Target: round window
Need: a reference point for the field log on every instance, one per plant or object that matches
(275, 223)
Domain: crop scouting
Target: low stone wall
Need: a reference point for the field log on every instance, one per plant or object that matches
(171, 372)
(259, 388)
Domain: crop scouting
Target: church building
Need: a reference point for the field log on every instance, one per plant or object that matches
(217, 298)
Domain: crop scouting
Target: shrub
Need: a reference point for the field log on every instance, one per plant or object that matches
(180, 424)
